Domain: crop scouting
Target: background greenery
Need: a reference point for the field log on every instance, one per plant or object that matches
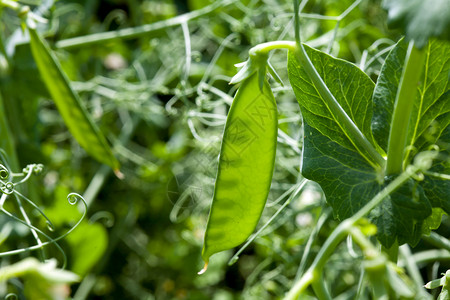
(161, 100)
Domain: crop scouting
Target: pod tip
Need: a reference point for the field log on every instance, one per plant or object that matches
(119, 174)
(205, 267)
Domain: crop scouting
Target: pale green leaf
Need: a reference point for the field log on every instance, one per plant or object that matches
(88, 243)
(68, 103)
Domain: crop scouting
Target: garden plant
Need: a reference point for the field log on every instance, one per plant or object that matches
(331, 165)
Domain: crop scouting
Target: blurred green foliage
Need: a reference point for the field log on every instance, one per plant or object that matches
(163, 113)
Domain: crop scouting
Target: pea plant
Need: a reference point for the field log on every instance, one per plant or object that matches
(379, 151)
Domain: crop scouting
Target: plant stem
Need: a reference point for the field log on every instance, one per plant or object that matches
(437, 240)
(7, 142)
(264, 48)
(320, 288)
(144, 30)
(403, 106)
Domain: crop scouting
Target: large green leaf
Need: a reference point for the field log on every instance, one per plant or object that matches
(69, 105)
(352, 89)
(348, 180)
(438, 189)
(245, 169)
(432, 103)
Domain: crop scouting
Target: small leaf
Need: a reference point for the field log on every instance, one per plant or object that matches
(435, 283)
(245, 169)
(40, 280)
(69, 105)
(89, 243)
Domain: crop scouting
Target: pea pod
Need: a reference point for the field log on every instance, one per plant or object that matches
(68, 103)
(245, 168)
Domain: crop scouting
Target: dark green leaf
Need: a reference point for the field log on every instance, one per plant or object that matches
(437, 189)
(347, 178)
(385, 92)
(402, 215)
(348, 181)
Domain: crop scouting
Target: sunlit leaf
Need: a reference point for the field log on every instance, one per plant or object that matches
(69, 105)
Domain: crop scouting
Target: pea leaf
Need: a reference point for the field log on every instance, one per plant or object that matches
(348, 180)
(420, 19)
(351, 87)
(89, 242)
(246, 164)
(69, 105)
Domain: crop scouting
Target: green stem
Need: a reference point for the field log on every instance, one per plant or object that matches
(437, 240)
(403, 106)
(320, 288)
(264, 48)
(411, 266)
(431, 256)
(140, 31)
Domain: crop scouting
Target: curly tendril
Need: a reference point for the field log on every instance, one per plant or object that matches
(72, 199)
(29, 170)
(4, 173)
(11, 296)
(106, 217)
(7, 188)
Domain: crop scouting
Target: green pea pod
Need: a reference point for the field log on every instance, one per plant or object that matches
(68, 103)
(245, 170)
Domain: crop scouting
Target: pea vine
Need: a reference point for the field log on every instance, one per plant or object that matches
(379, 151)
